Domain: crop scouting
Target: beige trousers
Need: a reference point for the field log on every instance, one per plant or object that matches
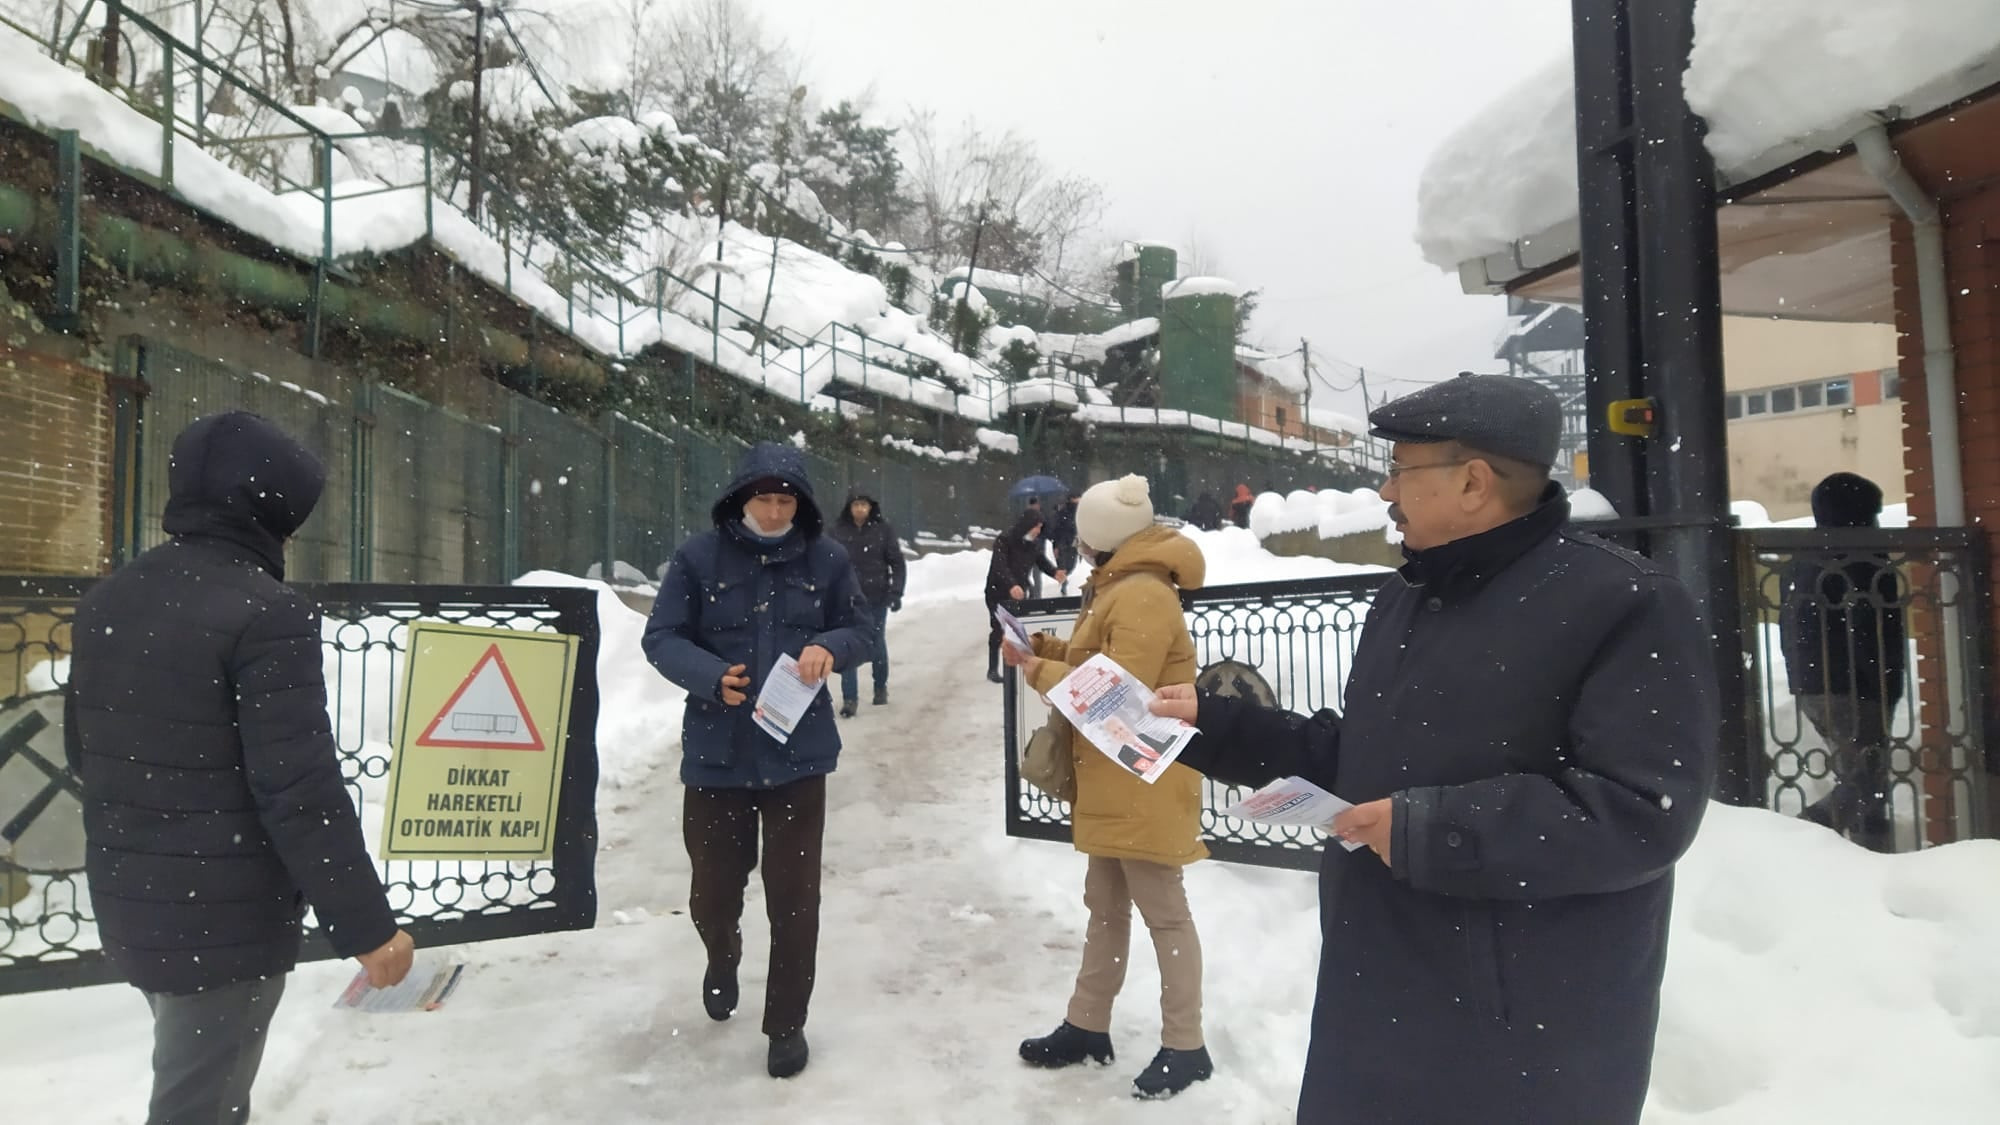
(1110, 890)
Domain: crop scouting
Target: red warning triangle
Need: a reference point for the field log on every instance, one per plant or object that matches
(485, 713)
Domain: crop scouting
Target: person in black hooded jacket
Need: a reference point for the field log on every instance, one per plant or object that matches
(214, 806)
(878, 564)
(1846, 656)
(1016, 556)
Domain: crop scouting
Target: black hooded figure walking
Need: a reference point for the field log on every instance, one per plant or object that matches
(1016, 556)
(877, 556)
(213, 801)
(1846, 655)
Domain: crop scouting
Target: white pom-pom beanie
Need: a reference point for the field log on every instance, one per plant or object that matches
(1113, 511)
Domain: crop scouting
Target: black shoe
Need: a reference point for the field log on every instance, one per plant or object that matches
(1068, 1045)
(993, 675)
(848, 708)
(718, 993)
(881, 697)
(1172, 1071)
(788, 1054)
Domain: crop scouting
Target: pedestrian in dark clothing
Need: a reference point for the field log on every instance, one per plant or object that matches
(1206, 513)
(764, 583)
(1239, 508)
(1846, 655)
(871, 545)
(1016, 555)
(1494, 954)
(1062, 538)
(214, 805)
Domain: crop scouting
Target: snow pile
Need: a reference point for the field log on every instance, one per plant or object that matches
(1202, 287)
(1330, 512)
(930, 451)
(1764, 73)
(1589, 505)
(1234, 556)
(1767, 72)
(957, 576)
(1749, 513)
(998, 441)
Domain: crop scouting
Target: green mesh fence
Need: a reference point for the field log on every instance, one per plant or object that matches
(420, 494)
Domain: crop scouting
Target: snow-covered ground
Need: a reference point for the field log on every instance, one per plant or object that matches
(1809, 982)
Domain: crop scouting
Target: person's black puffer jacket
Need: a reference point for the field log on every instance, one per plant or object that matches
(1015, 560)
(213, 800)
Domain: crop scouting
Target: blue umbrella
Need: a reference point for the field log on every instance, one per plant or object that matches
(1036, 486)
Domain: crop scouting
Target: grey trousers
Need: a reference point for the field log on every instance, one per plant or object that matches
(206, 1050)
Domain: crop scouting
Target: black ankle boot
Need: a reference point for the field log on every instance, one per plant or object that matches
(718, 993)
(1068, 1045)
(1172, 1071)
(788, 1055)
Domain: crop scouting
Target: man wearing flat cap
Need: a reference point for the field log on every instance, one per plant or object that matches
(1529, 737)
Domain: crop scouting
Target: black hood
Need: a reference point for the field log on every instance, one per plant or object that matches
(1846, 500)
(237, 476)
(1028, 521)
(770, 459)
(860, 493)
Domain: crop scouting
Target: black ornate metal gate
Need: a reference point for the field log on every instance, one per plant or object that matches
(47, 935)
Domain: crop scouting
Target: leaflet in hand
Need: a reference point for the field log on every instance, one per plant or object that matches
(431, 982)
(1108, 706)
(784, 700)
(1012, 631)
(1295, 802)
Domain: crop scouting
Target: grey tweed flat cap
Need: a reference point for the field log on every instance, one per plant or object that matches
(1496, 414)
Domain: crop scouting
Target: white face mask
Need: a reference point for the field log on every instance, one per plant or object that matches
(778, 532)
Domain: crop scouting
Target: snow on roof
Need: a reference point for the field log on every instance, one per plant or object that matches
(1325, 418)
(1288, 371)
(397, 58)
(1129, 251)
(1766, 74)
(1094, 346)
(1201, 287)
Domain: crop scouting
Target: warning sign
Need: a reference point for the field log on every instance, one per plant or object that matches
(479, 744)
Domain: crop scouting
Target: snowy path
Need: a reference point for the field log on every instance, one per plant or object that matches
(1810, 982)
(942, 944)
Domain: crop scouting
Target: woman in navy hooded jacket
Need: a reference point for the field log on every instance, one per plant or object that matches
(762, 584)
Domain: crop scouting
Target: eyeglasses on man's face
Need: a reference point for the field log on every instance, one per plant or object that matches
(1396, 471)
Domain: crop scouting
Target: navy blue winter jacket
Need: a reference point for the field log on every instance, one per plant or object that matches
(729, 599)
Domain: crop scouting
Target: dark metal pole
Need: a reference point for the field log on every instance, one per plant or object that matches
(1606, 216)
(478, 105)
(1653, 320)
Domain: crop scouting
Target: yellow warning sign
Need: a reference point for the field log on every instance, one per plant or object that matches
(478, 744)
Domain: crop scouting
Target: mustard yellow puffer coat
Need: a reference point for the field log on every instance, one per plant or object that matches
(1132, 614)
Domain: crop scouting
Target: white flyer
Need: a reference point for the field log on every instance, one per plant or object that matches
(432, 980)
(1011, 629)
(1293, 802)
(1107, 705)
(784, 699)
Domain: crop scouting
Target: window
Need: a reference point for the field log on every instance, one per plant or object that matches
(1732, 407)
(1839, 392)
(1753, 404)
(1784, 400)
(1281, 419)
(1892, 384)
(1810, 396)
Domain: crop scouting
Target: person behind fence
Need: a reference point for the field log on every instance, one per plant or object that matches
(1206, 513)
(1846, 657)
(214, 806)
(1530, 738)
(1138, 836)
(763, 583)
(1017, 554)
(1062, 538)
(871, 545)
(1240, 505)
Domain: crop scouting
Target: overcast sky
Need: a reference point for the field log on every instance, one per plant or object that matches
(1285, 137)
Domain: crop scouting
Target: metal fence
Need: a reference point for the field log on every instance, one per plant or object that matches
(1297, 637)
(419, 493)
(1918, 736)
(48, 937)
(1868, 700)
